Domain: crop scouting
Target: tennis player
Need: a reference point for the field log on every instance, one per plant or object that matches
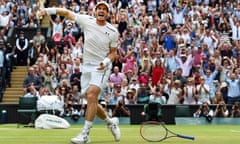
(100, 46)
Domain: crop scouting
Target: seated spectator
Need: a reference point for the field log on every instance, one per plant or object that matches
(143, 93)
(31, 79)
(75, 78)
(116, 95)
(235, 111)
(204, 111)
(221, 110)
(130, 97)
(157, 97)
(32, 92)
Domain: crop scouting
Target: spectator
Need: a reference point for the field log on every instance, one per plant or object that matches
(224, 91)
(157, 97)
(31, 79)
(57, 26)
(116, 77)
(32, 92)
(39, 39)
(32, 54)
(221, 110)
(143, 93)
(175, 96)
(171, 64)
(129, 61)
(49, 79)
(121, 110)
(235, 111)
(75, 78)
(157, 72)
(233, 88)
(204, 111)
(203, 91)
(178, 76)
(22, 49)
(189, 92)
(130, 97)
(116, 95)
(218, 98)
(5, 19)
(169, 40)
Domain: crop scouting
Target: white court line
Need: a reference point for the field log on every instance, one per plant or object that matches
(236, 131)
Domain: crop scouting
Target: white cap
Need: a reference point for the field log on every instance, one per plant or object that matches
(103, 3)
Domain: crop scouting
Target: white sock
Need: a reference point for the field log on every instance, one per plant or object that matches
(87, 126)
(108, 120)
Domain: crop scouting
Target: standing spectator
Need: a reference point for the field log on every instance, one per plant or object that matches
(130, 61)
(233, 88)
(178, 14)
(39, 39)
(178, 76)
(157, 72)
(118, 61)
(171, 64)
(22, 49)
(203, 91)
(116, 77)
(32, 53)
(175, 96)
(48, 77)
(169, 40)
(185, 63)
(5, 19)
(57, 26)
(189, 92)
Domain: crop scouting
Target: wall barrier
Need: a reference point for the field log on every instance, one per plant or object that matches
(171, 114)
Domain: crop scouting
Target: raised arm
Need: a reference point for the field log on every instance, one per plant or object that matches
(59, 11)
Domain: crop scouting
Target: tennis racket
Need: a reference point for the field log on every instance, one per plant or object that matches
(153, 131)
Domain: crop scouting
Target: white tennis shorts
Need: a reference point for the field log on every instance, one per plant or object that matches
(92, 76)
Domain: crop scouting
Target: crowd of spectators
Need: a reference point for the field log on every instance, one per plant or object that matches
(170, 51)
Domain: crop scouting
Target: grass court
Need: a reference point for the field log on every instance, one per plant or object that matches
(204, 134)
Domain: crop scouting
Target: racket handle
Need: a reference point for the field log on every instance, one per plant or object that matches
(186, 137)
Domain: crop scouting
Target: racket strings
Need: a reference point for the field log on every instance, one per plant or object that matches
(153, 132)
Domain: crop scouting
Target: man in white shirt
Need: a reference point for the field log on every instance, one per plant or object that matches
(100, 46)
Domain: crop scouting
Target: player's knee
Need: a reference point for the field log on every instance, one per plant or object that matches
(91, 98)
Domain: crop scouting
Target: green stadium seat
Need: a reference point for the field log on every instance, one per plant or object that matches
(27, 110)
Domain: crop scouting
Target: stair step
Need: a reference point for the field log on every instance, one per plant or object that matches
(14, 89)
(9, 102)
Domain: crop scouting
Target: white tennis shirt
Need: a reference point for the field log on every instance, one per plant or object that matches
(97, 39)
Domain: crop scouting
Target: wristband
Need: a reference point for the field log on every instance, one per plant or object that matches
(106, 61)
(51, 11)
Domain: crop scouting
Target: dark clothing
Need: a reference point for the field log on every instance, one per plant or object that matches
(35, 80)
(76, 82)
(22, 51)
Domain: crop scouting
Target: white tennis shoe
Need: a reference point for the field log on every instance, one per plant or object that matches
(82, 138)
(114, 128)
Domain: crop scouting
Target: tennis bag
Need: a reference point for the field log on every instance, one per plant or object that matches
(48, 121)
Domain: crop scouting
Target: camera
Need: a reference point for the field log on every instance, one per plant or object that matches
(209, 118)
